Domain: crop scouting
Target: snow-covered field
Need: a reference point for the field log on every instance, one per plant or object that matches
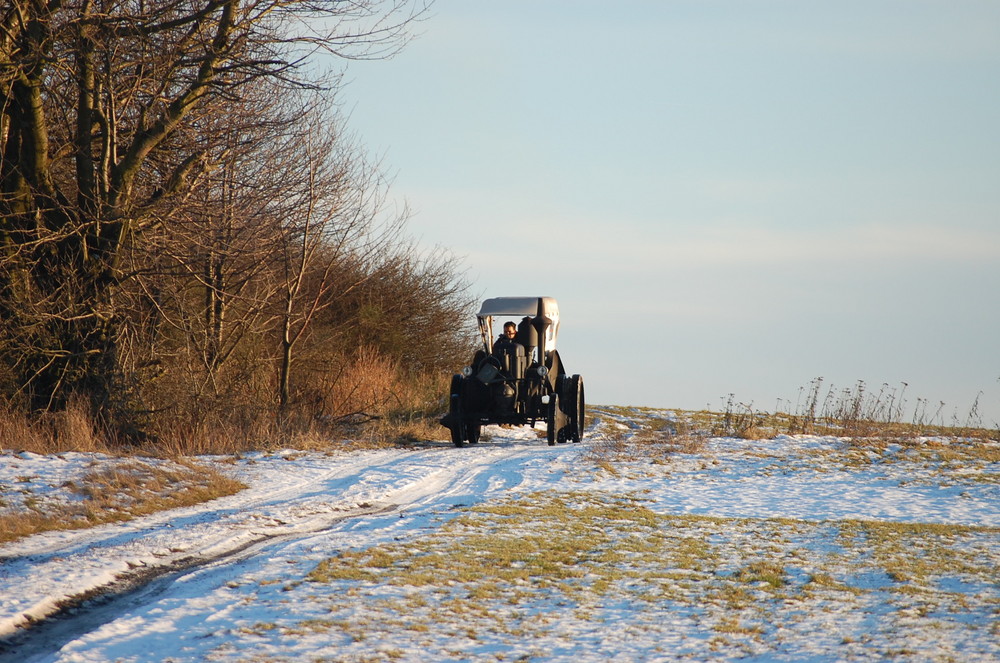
(633, 545)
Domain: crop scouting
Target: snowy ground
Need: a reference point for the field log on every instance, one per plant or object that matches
(797, 548)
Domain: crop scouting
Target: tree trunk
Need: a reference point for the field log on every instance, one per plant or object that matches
(286, 367)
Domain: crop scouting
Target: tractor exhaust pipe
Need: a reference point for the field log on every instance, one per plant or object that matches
(541, 323)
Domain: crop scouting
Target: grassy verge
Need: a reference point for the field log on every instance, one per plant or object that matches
(113, 492)
(131, 481)
(73, 430)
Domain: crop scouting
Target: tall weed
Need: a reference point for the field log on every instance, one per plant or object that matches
(71, 429)
(855, 411)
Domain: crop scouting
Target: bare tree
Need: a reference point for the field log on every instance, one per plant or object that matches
(424, 312)
(331, 237)
(105, 124)
(205, 280)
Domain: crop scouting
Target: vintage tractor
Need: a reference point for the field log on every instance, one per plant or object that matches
(519, 379)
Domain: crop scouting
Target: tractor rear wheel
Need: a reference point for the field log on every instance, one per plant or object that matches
(556, 421)
(575, 407)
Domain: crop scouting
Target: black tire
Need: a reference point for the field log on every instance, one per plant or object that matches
(556, 421)
(473, 432)
(458, 433)
(578, 417)
(550, 421)
(571, 402)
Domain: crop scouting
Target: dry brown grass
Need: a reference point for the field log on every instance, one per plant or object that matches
(743, 421)
(860, 412)
(408, 430)
(648, 435)
(68, 430)
(855, 412)
(364, 398)
(119, 491)
(72, 431)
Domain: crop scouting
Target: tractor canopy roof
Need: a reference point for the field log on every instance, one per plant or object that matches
(520, 306)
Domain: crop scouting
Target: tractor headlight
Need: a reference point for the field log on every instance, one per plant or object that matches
(542, 371)
(467, 371)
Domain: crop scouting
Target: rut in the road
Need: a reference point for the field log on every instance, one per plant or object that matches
(87, 611)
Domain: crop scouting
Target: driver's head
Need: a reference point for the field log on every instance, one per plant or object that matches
(509, 329)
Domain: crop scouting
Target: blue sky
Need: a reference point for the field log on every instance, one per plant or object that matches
(725, 196)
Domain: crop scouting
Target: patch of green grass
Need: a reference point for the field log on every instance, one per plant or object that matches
(916, 553)
(822, 581)
(762, 571)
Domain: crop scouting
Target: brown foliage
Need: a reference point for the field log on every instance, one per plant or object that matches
(190, 243)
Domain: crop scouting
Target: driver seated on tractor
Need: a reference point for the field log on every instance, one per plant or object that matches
(505, 342)
(510, 352)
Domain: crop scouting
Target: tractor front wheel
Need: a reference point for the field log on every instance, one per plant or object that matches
(457, 421)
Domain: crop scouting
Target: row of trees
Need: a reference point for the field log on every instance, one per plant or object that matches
(186, 227)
